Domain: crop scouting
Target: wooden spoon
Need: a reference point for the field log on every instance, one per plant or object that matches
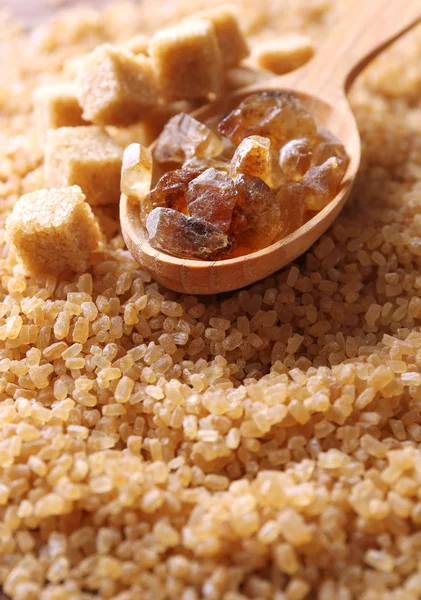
(366, 29)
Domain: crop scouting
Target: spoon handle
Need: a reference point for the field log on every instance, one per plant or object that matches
(366, 28)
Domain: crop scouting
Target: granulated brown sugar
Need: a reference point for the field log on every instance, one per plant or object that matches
(263, 444)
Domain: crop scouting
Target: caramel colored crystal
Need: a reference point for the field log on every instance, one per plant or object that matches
(253, 157)
(321, 183)
(257, 218)
(292, 207)
(278, 116)
(170, 191)
(329, 146)
(212, 197)
(295, 159)
(184, 137)
(186, 237)
(201, 164)
(136, 173)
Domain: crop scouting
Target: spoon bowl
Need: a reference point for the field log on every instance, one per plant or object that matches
(211, 277)
(321, 86)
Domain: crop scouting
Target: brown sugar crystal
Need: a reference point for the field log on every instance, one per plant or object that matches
(186, 237)
(53, 230)
(115, 87)
(278, 116)
(187, 60)
(253, 157)
(327, 146)
(201, 164)
(257, 220)
(321, 183)
(84, 156)
(292, 206)
(170, 191)
(56, 106)
(136, 176)
(295, 159)
(231, 41)
(184, 137)
(212, 197)
(136, 171)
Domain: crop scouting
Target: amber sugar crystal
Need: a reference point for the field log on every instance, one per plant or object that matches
(136, 172)
(278, 116)
(212, 197)
(296, 158)
(201, 164)
(321, 183)
(186, 237)
(253, 157)
(327, 146)
(257, 217)
(184, 137)
(292, 206)
(170, 191)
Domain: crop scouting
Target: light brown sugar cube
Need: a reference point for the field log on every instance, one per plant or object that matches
(244, 75)
(53, 230)
(284, 54)
(187, 60)
(56, 106)
(72, 64)
(231, 41)
(137, 44)
(84, 156)
(115, 87)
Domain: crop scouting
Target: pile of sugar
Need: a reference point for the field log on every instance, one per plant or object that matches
(264, 444)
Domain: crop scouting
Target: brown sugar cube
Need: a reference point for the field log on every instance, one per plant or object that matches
(53, 230)
(84, 156)
(56, 106)
(284, 54)
(231, 41)
(187, 60)
(72, 64)
(241, 76)
(115, 87)
(137, 44)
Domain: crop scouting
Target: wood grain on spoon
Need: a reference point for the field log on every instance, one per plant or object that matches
(366, 29)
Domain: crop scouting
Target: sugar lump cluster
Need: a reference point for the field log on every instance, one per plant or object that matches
(253, 180)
